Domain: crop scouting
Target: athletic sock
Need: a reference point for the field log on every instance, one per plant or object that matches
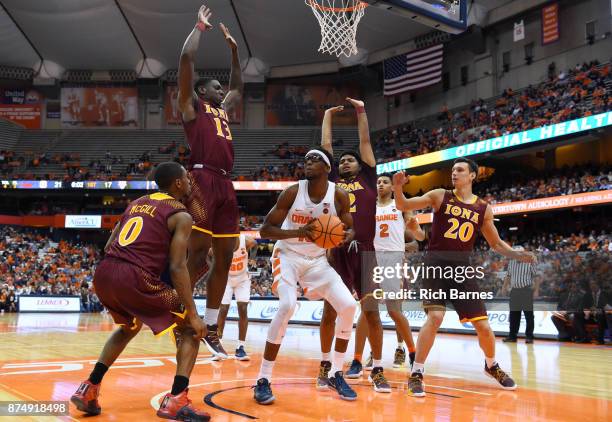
(265, 371)
(98, 373)
(400, 344)
(211, 316)
(376, 363)
(338, 363)
(490, 362)
(241, 343)
(418, 368)
(326, 357)
(179, 385)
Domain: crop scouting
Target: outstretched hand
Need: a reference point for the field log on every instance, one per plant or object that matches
(204, 15)
(228, 37)
(355, 103)
(333, 110)
(400, 178)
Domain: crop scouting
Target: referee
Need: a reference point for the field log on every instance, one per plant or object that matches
(520, 277)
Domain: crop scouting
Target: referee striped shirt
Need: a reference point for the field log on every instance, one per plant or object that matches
(521, 274)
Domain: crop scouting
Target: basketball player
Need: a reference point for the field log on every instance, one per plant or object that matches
(212, 203)
(459, 216)
(239, 285)
(393, 227)
(296, 259)
(153, 233)
(355, 262)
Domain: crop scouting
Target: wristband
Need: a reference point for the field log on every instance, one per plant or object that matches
(201, 26)
(360, 110)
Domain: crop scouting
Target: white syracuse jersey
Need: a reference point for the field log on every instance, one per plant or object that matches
(390, 228)
(240, 260)
(301, 212)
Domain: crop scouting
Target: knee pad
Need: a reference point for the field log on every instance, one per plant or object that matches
(344, 323)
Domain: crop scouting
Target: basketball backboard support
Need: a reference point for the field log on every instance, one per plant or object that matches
(445, 15)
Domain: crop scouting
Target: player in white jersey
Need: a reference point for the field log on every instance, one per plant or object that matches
(297, 260)
(239, 286)
(393, 229)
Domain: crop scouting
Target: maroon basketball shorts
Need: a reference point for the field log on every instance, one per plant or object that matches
(131, 294)
(355, 265)
(440, 291)
(213, 204)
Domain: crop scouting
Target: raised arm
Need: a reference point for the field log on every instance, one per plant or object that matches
(326, 128)
(271, 228)
(236, 87)
(186, 71)
(365, 146)
(432, 199)
(489, 231)
(180, 225)
(413, 227)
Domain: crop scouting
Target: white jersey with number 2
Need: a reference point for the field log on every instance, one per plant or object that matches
(390, 228)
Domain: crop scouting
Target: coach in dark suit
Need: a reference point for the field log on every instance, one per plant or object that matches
(597, 309)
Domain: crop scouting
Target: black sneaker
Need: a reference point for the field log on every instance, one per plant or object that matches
(416, 387)
(509, 339)
(529, 340)
(500, 376)
(322, 383)
(338, 383)
(263, 392)
(400, 357)
(355, 370)
(377, 377)
(213, 342)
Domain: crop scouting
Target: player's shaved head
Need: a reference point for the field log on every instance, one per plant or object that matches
(167, 173)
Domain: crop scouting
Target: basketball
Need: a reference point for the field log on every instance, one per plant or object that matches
(329, 231)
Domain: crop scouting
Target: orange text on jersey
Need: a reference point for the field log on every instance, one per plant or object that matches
(387, 217)
(143, 209)
(300, 219)
(461, 212)
(217, 112)
(350, 187)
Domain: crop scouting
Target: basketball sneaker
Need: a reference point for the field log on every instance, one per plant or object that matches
(179, 408)
(263, 392)
(241, 354)
(500, 376)
(416, 387)
(369, 363)
(355, 371)
(400, 357)
(85, 398)
(338, 383)
(377, 377)
(213, 342)
(323, 378)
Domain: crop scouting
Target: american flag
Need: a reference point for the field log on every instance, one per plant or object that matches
(417, 69)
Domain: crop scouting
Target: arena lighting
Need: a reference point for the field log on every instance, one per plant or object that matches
(513, 229)
(541, 134)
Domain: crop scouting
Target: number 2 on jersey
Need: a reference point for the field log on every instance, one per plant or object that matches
(465, 230)
(353, 207)
(384, 230)
(221, 129)
(130, 231)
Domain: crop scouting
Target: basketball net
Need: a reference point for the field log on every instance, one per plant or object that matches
(338, 20)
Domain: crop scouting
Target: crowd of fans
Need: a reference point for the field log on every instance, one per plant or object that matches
(564, 96)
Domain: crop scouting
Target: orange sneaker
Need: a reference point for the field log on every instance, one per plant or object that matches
(86, 398)
(179, 408)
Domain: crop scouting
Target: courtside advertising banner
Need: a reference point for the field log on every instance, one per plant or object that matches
(83, 221)
(100, 107)
(49, 304)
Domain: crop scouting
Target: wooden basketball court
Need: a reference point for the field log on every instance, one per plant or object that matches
(44, 357)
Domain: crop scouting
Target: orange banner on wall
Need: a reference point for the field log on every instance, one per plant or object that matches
(542, 204)
(550, 23)
(26, 115)
(95, 107)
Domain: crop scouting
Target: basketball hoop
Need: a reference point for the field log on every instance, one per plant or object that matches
(338, 20)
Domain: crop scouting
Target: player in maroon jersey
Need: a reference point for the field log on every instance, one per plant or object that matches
(459, 216)
(355, 262)
(213, 203)
(152, 233)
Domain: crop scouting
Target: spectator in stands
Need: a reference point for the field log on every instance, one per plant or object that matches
(597, 310)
